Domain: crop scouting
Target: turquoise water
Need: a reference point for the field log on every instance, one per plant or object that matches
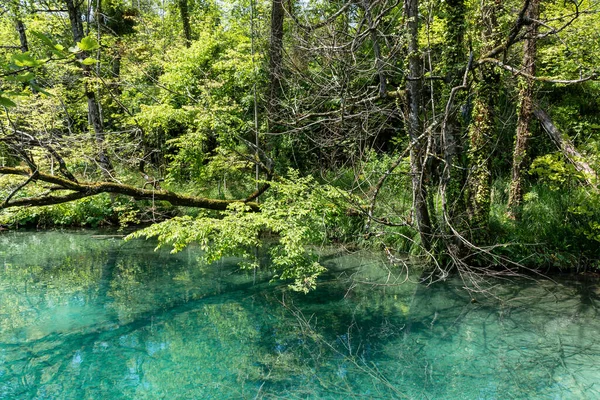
(98, 318)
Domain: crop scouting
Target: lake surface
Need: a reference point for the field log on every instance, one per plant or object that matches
(90, 318)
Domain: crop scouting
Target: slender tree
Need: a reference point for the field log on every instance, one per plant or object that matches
(414, 89)
(94, 114)
(525, 111)
(184, 12)
(275, 55)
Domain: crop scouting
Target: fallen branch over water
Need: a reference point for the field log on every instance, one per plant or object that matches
(79, 190)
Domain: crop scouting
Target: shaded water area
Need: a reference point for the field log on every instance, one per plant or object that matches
(90, 318)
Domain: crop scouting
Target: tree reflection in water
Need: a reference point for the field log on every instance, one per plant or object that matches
(87, 318)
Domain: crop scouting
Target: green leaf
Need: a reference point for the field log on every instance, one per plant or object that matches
(59, 47)
(89, 61)
(25, 60)
(45, 39)
(39, 89)
(24, 77)
(6, 102)
(88, 44)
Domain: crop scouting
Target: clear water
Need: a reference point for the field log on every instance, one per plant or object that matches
(89, 318)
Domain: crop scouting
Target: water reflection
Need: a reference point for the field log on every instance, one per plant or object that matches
(85, 318)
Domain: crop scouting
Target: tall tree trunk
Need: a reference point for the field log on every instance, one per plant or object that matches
(481, 137)
(24, 45)
(414, 86)
(275, 56)
(22, 36)
(525, 112)
(376, 50)
(116, 70)
(453, 178)
(185, 20)
(482, 132)
(94, 115)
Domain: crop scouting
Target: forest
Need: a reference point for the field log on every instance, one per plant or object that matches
(459, 135)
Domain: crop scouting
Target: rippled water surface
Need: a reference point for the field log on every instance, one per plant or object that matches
(85, 317)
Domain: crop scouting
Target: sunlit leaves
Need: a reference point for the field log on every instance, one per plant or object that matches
(25, 60)
(89, 61)
(23, 77)
(6, 102)
(88, 44)
(298, 211)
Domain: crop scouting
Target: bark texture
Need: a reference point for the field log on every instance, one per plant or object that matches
(482, 132)
(94, 114)
(453, 178)
(184, 12)
(275, 55)
(78, 190)
(525, 112)
(565, 145)
(418, 150)
(22, 36)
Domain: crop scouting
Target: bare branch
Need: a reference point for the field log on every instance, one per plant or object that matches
(516, 71)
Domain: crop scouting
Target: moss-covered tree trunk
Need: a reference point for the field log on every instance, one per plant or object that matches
(453, 178)
(482, 131)
(184, 12)
(481, 139)
(525, 113)
(414, 87)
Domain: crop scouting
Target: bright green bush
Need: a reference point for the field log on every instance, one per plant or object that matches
(298, 211)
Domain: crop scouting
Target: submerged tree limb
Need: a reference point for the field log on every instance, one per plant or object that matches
(87, 189)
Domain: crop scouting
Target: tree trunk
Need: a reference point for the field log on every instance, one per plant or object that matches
(275, 55)
(482, 132)
(24, 46)
(22, 36)
(453, 179)
(481, 137)
(376, 51)
(94, 115)
(185, 20)
(417, 153)
(525, 111)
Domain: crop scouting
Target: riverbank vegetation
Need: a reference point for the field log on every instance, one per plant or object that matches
(464, 135)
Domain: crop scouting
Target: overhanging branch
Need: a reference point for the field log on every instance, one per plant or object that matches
(87, 189)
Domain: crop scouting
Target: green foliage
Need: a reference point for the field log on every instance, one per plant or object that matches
(297, 210)
(88, 212)
(88, 43)
(556, 228)
(6, 102)
(185, 112)
(553, 170)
